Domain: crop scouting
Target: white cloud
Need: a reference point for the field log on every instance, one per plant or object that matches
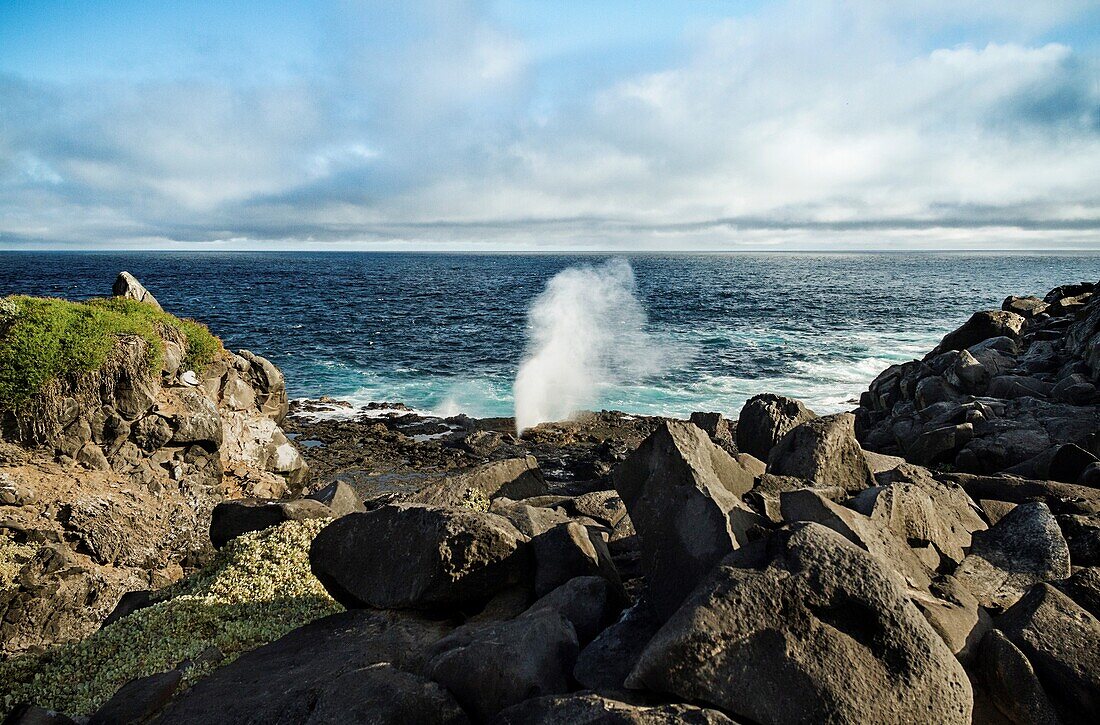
(808, 123)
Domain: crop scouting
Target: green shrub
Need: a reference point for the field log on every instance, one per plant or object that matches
(44, 339)
(258, 588)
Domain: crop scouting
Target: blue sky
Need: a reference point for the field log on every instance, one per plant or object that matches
(550, 125)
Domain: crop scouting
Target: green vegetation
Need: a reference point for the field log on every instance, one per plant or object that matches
(258, 588)
(43, 340)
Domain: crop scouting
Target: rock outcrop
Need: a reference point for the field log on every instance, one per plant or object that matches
(1007, 391)
(108, 477)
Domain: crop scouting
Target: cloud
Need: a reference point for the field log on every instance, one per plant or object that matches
(813, 124)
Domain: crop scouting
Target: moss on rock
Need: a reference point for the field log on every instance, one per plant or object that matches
(43, 340)
(257, 589)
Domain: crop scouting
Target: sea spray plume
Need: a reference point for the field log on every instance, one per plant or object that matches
(585, 331)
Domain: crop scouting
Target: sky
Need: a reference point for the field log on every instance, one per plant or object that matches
(550, 125)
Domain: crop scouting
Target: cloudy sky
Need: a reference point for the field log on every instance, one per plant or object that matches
(550, 124)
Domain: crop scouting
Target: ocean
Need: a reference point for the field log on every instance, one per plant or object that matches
(649, 334)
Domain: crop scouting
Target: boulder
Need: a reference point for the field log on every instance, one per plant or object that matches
(530, 521)
(892, 552)
(567, 551)
(137, 701)
(939, 444)
(194, 418)
(489, 667)
(591, 709)
(1026, 307)
(955, 615)
(982, 326)
(718, 428)
(1022, 549)
(230, 519)
(340, 498)
(126, 285)
(514, 478)
(922, 512)
(407, 556)
(1061, 498)
(605, 663)
(823, 450)
(678, 487)
(282, 682)
(1084, 589)
(806, 627)
(765, 419)
(1060, 640)
(382, 693)
(1011, 682)
(1083, 537)
(589, 603)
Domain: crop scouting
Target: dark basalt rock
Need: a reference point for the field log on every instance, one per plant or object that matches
(1012, 682)
(678, 487)
(1059, 639)
(765, 419)
(982, 326)
(137, 701)
(407, 556)
(823, 450)
(806, 627)
(1022, 549)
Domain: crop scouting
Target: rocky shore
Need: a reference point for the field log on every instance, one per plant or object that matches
(181, 545)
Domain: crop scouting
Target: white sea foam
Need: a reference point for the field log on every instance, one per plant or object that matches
(586, 332)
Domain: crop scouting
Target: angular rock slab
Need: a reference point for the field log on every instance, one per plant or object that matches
(407, 556)
(676, 489)
(1022, 549)
(590, 709)
(804, 628)
(823, 450)
(1062, 642)
(505, 663)
(765, 419)
(1012, 683)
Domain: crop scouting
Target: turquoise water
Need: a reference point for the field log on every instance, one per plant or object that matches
(447, 333)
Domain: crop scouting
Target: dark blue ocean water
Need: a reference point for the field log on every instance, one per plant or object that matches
(446, 333)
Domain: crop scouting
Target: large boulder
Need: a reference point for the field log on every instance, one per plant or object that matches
(492, 666)
(982, 326)
(823, 450)
(567, 551)
(1011, 682)
(679, 488)
(1022, 549)
(127, 286)
(892, 551)
(922, 511)
(591, 709)
(805, 627)
(606, 662)
(1060, 641)
(765, 419)
(408, 556)
(514, 478)
(284, 681)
